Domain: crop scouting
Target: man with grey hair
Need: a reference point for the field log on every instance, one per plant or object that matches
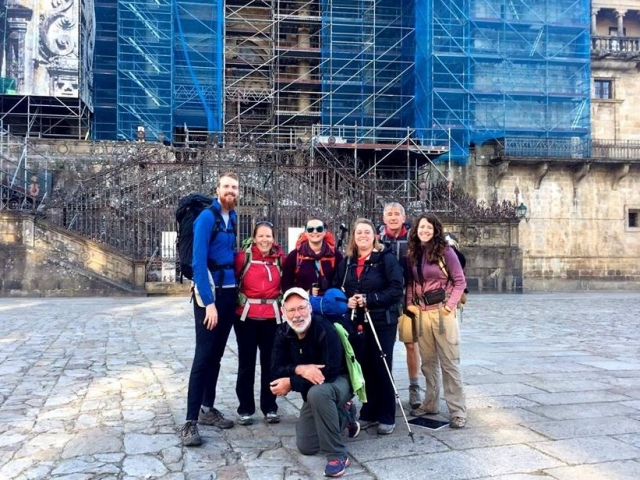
(308, 357)
(394, 234)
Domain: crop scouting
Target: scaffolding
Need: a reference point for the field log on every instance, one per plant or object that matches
(104, 125)
(334, 73)
(492, 69)
(145, 69)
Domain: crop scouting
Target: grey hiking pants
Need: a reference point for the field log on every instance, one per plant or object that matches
(323, 418)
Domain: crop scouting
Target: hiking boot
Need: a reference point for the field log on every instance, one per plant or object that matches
(414, 396)
(272, 417)
(189, 434)
(215, 418)
(353, 427)
(386, 428)
(458, 422)
(245, 419)
(423, 410)
(336, 467)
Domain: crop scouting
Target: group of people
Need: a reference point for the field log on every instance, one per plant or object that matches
(285, 306)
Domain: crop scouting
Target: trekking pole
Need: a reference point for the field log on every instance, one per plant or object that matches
(367, 319)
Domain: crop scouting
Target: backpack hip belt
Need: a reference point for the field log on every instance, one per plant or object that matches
(214, 267)
(261, 301)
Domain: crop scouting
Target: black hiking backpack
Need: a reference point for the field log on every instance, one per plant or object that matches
(188, 210)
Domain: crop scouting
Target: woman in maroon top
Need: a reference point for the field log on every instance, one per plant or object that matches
(258, 269)
(435, 284)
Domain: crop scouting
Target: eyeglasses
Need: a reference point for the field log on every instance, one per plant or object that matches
(319, 229)
(264, 222)
(301, 310)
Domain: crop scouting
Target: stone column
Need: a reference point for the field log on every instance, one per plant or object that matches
(620, 18)
(594, 16)
(18, 18)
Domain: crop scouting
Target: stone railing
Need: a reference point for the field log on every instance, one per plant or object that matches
(40, 258)
(615, 45)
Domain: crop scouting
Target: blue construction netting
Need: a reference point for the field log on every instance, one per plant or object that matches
(508, 69)
(105, 68)
(199, 63)
(158, 65)
(145, 68)
(367, 67)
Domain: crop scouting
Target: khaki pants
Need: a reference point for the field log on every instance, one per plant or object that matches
(443, 349)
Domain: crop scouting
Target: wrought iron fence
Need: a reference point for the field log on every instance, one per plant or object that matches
(572, 147)
(125, 195)
(127, 204)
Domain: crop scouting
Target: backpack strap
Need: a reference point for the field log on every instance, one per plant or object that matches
(248, 261)
(443, 267)
(261, 301)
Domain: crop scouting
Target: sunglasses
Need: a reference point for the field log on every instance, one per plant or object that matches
(264, 222)
(319, 229)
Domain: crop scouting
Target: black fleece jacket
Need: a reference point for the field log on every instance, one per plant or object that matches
(381, 281)
(320, 346)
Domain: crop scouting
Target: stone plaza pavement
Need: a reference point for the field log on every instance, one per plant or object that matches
(95, 388)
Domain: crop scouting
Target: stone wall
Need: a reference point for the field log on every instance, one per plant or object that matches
(616, 118)
(39, 258)
(494, 259)
(576, 235)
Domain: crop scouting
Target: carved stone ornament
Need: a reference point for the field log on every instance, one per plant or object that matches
(58, 31)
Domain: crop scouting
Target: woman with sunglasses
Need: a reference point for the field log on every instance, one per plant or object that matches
(311, 266)
(372, 279)
(258, 269)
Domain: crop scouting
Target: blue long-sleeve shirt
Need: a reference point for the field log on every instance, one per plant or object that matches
(219, 252)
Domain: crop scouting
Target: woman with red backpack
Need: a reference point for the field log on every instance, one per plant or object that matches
(312, 265)
(258, 269)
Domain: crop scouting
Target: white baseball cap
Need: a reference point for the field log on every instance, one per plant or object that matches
(295, 291)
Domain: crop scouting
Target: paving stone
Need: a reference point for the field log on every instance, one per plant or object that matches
(93, 441)
(498, 389)
(114, 397)
(137, 443)
(586, 427)
(571, 397)
(466, 464)
(576, 451)
(486, 437)
(582, 410)
(621, 470)
(144, 466)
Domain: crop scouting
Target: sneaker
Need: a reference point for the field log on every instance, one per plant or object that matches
(189, 434)
(215, 418)
(414, 396)
(386, 428)
(272, 417)
(353, 427)
(245, 419)
(364, 424)
(336, 467)
(458, 422)
(423, 410)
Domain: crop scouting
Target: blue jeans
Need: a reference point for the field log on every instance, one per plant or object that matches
(210, 345)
